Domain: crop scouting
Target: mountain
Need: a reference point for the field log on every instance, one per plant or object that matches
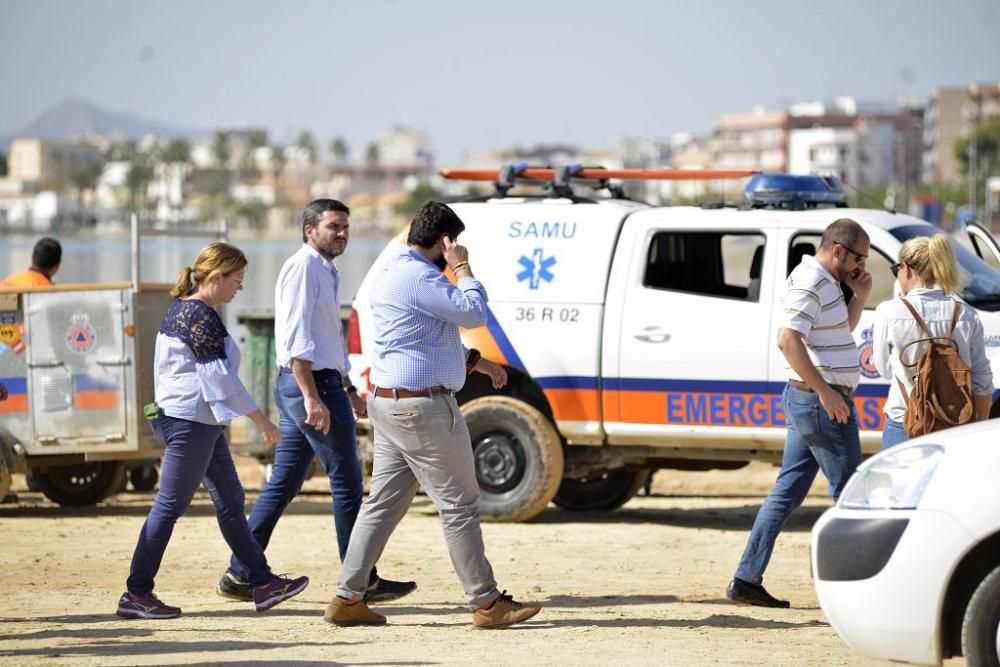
(73, 118)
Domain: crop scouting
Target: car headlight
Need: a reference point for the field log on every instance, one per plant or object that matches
(894, 479)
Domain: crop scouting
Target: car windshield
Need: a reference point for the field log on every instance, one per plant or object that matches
(980, 281)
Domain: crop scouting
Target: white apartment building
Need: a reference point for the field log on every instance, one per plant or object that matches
(860, 155)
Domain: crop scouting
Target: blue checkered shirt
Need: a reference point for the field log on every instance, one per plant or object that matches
(417, 313)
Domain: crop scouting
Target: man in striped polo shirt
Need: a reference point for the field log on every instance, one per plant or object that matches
(822, 366)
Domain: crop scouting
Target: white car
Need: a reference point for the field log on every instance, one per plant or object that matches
(907, 564)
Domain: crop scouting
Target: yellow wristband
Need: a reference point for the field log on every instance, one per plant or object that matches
(460, 265)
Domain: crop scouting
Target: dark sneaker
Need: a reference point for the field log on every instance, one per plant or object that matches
(277, 590)
(503, 612)
(754, 594)
(232, 588)
(383, 590)
(340, 613)
(144, 606)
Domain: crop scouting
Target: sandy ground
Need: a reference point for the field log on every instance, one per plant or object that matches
(642, 585)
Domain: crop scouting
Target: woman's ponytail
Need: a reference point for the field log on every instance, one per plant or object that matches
(187, 283)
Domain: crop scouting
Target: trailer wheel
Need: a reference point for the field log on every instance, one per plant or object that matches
(6, 468)
(80, 484)
(518, 457)
(143, 477)
(602, 492)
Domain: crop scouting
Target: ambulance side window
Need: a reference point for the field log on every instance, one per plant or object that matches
(712, 263)
(878, 264)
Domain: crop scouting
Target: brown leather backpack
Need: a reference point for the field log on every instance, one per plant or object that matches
(942, 387)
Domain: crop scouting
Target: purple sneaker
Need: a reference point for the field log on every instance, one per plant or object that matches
(145, 606)
(277, 590)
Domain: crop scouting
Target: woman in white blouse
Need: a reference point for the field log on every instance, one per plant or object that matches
(198, 392)
(928, 276)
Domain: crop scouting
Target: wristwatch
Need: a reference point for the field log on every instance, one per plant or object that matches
(472, 359)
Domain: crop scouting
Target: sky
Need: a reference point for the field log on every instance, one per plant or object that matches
(476, 75)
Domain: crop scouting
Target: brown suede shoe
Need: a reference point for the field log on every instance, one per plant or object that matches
(504, 612)
(358, 613)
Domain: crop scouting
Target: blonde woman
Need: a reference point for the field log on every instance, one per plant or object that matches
(198, 392)
(928, 278)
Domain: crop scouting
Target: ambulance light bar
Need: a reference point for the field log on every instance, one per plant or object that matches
(794, 192)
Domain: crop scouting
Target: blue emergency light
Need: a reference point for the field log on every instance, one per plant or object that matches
(794, 192)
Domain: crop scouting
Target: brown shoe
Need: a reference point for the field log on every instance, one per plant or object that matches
(339, 613)
(504, 612)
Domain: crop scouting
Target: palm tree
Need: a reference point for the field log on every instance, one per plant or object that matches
(84, 179)
(307, 142)
(339, 149)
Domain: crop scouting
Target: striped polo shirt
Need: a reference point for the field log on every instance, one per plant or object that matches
(814, 306)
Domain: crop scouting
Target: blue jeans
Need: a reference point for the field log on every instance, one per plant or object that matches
(194, 453)
(293, 457)
(814, 442)
(893, 433)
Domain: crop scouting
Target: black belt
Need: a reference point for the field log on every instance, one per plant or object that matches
(321, 373)
(839, 388)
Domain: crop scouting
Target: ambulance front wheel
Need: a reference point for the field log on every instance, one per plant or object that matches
(82, 483)
(518, 457)
(601, 492)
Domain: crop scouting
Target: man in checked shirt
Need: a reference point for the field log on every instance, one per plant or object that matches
(420, 436)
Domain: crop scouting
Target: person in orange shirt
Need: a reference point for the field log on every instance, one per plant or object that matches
(45, 259)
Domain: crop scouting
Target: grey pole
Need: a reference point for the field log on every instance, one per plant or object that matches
(136, 253)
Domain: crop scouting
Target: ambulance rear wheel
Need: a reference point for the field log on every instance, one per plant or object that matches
(81, 484)
(602, 492)
(518, 457)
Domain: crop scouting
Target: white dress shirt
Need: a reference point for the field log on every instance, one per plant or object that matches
(307, 313)
(895, 327)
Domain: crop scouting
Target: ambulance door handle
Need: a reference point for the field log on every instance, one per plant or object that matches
(46, 363)
(652, 334)
(113, 362)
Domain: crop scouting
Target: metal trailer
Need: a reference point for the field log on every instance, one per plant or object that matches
(77, 364)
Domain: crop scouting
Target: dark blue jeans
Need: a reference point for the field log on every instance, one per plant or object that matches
(194, 453)
(814, 442)
(293, 457)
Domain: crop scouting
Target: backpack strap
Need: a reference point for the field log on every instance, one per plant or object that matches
(902, 390)
(954, 317)
(916, 316)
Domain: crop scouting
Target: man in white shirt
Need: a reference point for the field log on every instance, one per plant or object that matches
(314, 394)
(818, 401)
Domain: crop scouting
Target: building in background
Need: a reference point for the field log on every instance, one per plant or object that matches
(50, 165)
(951, 115)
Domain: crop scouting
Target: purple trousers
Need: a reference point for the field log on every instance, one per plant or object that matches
(195, 453)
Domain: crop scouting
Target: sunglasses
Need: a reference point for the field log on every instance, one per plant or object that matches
(858, 257)
(895, 269)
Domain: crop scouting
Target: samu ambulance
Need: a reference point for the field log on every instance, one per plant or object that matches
(637, 337)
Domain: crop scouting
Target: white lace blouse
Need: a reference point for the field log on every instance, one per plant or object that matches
(196, 364)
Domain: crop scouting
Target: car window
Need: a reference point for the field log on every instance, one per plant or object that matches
(978, 248)
(720, 264)
(879, 265)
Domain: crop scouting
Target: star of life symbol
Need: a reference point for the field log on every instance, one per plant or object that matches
(536, 268)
